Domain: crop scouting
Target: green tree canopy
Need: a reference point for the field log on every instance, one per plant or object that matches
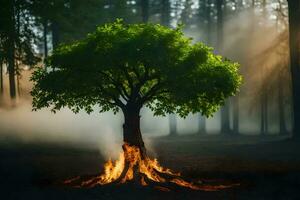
(131, 65)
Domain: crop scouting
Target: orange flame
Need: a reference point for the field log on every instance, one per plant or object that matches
(144, 168)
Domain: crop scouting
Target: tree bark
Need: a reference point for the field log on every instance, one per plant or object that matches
(294, 40)
(225, 126)
(172, 125)
(131, 128)
(201, 124)
(165, 14)
(282, 126)
(1, 78)
(264, 114)
(11, 50)
(220, 25)
(236, 112)
(208, 18)
(55, 34)
(165, 20)
(45, 33)
(145, 10)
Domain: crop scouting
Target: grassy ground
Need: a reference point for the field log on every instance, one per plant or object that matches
(267, 168)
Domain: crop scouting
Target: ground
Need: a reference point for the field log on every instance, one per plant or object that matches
(266, 167)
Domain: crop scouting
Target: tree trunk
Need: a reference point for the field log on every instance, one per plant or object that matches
(225, 125)
(201, 124)
(145, 10)
(18, 46)
(294, 40)
(55, 34)
(11, 51)
(282, 126)
(220, 25)
(172, 125)
(165, 14)
(131, 128)
(1, 78)
(45, 33)
(264, 114)
(165, 20)
(236, 112)
(208, 18)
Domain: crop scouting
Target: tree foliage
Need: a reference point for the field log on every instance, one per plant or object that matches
(121, 65)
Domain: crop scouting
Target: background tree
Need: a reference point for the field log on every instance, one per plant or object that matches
(166, 21)
(145, 10)
(17, 38)
(294, 28)
(225, 125)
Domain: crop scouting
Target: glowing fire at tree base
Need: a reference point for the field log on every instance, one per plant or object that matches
(135, 167)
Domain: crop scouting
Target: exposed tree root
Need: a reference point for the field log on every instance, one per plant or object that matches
(135, 167)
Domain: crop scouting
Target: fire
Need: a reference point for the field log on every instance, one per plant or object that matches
(133, 166)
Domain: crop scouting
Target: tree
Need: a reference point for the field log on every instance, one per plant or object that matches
(145, 10)
(166, 20)
(165, 13)
(225, 128)
(16, 38)
(294, 40)
(9, 37)
(125, 67)
(206, 12)
(1, 77)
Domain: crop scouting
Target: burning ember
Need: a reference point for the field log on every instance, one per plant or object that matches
(136, 167)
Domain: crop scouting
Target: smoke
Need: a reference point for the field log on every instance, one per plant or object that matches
(101, 131)
(246, 40)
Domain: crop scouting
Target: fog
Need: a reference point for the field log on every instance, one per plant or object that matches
(246, 42)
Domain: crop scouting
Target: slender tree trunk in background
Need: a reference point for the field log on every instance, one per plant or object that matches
(1, 78)
(18, 80)
(282, 126)
(294, 40)
(263, 105)
(18, 46)
(173, 125)
(220, 25)
(262, 119)
(236, 99)
(264, 114)
(225, 126)
(45, 33)
(208, 18)
(236, 113)
(264, 92)
(165, 14)
(165, 20)
(207, 4)
(11, 51)
(55, 34)
(281, 104)
(201, 124)
(145, 10)
(131, 127)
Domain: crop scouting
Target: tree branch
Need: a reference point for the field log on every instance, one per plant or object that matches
(151, 92)
(122, 91)
(117, 101)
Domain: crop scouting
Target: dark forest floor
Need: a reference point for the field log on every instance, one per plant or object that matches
(267, 168)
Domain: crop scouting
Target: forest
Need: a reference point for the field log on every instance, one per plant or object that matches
(208, 87)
